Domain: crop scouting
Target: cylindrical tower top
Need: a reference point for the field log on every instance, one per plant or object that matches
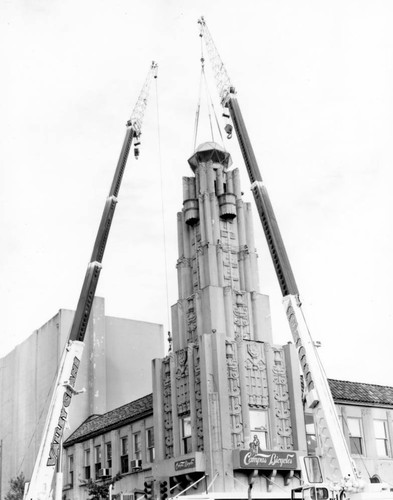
(210, 151)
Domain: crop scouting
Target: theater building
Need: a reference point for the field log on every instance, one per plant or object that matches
(226, 417)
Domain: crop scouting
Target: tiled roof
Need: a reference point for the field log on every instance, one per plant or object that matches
(97, 424)
(342, 392)
(357, 392)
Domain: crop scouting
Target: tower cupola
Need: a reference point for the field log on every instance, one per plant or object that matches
(210, 151)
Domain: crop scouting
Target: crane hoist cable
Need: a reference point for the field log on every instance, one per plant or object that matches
(209, 103)
(163, 210)
(214, 111)
(197, 112)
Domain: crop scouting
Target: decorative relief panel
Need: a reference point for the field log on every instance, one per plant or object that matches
(241, 317)
(198, 399)
(182, 382)
(227, 231)
(256, 377)
(191, 320)
(195, 247)
(235, 406)
(231, 267)
(167, 401)
(229, 255)
(282, 408)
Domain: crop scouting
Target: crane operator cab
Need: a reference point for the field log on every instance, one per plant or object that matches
(313, 487)
(308, 492)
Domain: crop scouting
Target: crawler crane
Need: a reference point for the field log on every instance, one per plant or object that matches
(341, 479)
(40, 484)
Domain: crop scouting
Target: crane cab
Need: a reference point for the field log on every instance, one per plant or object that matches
(308, 492)
(314, 487)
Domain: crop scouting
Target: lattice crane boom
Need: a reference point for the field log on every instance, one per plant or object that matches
(224, 86)
(138, 113)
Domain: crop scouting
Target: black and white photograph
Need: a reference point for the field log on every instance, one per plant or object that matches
(196, 252)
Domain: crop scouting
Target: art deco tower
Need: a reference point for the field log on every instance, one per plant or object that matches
(225, 392)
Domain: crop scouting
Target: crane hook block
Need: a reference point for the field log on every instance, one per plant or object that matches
(136, 153)
(228, 129)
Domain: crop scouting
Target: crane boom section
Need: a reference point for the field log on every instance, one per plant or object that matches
(269, 222)
(134, 128)
(138, 112)
(274, 240)
(42, 476)
(50, 447)
(339, 463)
(223, 82)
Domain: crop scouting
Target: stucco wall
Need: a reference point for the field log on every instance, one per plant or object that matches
(143, 341)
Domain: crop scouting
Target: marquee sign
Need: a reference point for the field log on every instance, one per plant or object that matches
(281, 460)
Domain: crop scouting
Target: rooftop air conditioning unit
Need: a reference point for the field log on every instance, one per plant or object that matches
(136, 464)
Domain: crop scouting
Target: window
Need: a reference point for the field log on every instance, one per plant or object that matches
(381, 437)
(71, 470)
(137, 446)
(150, 444)
(310, 434)
(355, 435)
(313, 469)
(186, 434)
(124, 455)
(97, 459)
(87, 463)
(108, 455)
(258, 429)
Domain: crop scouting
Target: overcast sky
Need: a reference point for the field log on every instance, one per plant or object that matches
(315, 84)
